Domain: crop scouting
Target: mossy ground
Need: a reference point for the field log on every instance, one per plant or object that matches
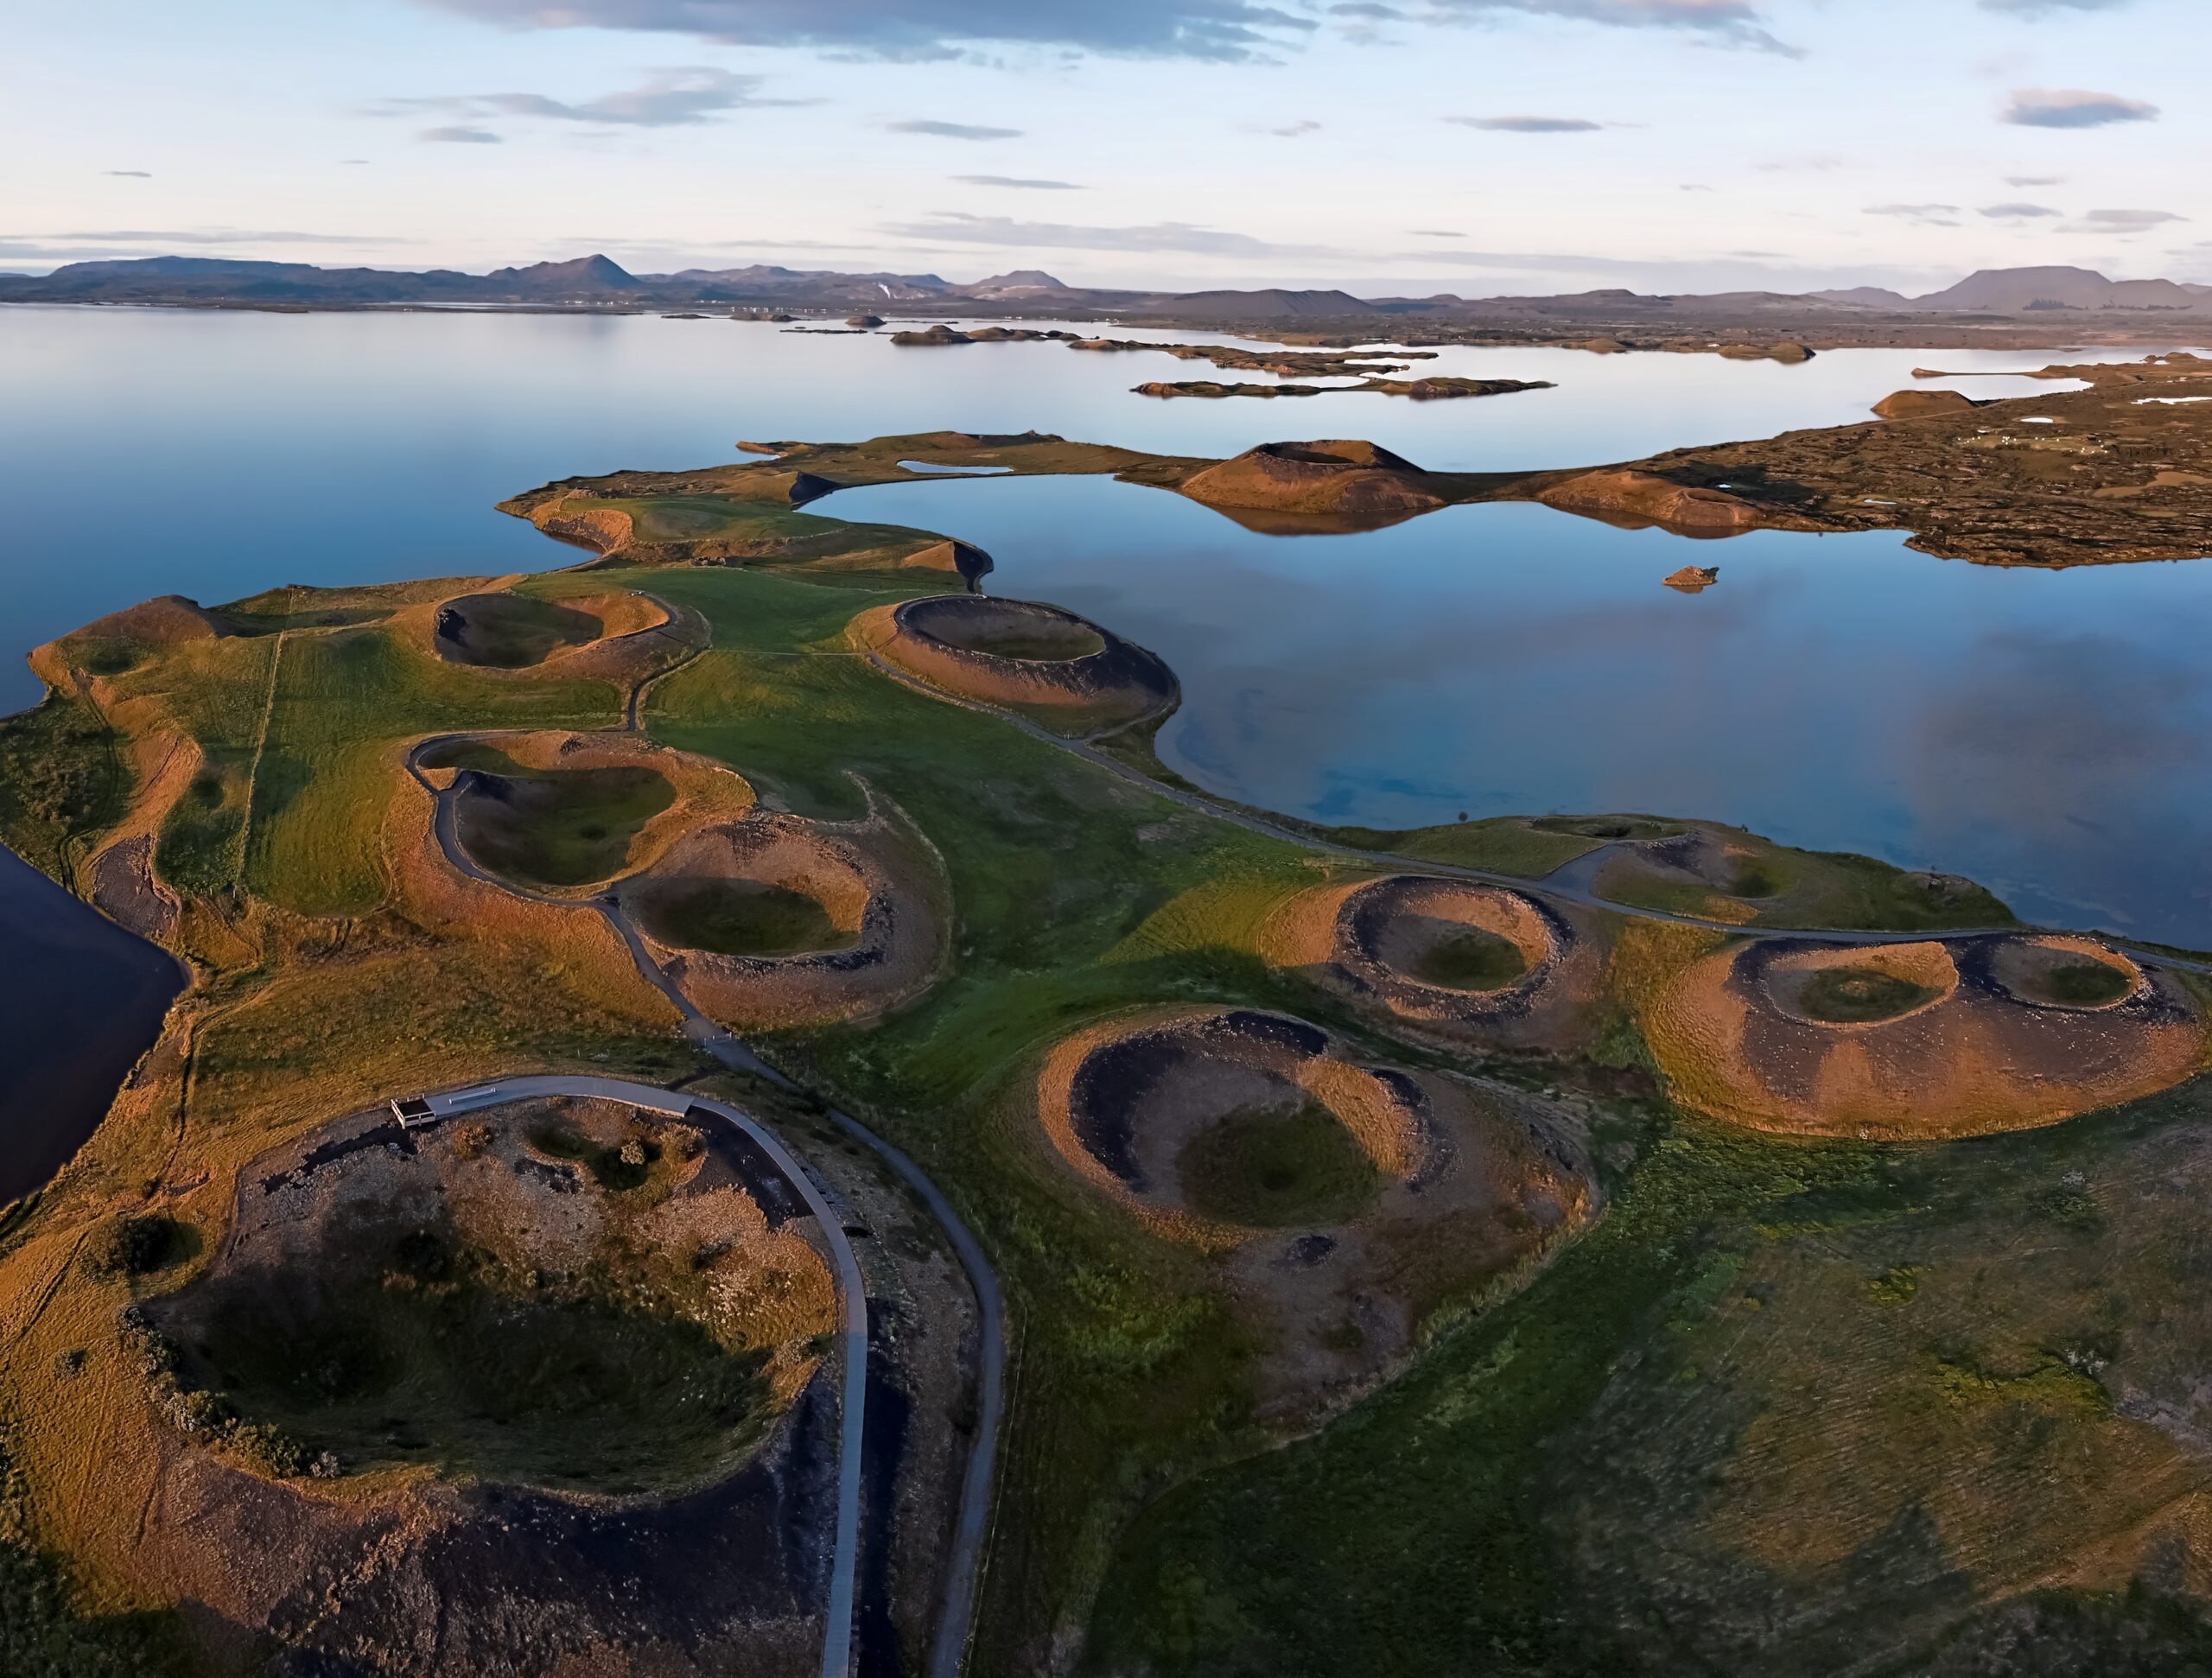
(743, 918)
(2085, 984)
(1858, 995)
(512, 632)
(1040, 644)
(1276, 1168)
(559, 827)
(1469, 959)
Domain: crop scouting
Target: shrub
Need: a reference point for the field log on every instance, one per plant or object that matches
(134, 1245)
(470, 1141)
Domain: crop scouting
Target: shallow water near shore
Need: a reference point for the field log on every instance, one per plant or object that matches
(2049, 734)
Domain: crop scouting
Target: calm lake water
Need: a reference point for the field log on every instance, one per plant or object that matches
(80, 999)
(2049, 735)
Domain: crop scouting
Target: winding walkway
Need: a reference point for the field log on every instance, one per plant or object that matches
(964, 1562)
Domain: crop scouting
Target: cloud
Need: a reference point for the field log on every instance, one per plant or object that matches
(1530, 125)
(2017, 212)
(109, 243)
(1291, 131)
(1177, 236)
(1367, 10)
(1019, 181)
(458, 134)
(130, 174)
(676, 98)
(1920, 215)
(922, 30)
(1730, 22)
(2048, 8)
(953, 131)
(1432, 233)
(2123, 222)
(2034, 179)
(2074, 107)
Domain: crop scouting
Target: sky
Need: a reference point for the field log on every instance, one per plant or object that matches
(1481, 147)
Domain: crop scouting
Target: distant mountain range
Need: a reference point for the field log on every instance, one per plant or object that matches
(596, 282)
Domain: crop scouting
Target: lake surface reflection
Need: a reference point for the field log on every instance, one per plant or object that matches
(2048, 733)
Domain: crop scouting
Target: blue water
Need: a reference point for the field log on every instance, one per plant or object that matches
(80, 1000)
(2049, 735)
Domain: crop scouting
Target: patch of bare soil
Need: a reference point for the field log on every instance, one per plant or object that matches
(1958, 1037)
(1018, 653)
(1459, 959)
(865, 902)
(452, 1537)
(125, 889)
(1420, 1188)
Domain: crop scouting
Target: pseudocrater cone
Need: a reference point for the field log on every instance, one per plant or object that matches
(774, 921)
(2063, 972)
(1019, 653)
(562, 814)
(1214, 1124)
(2000, 1032)
(1328, 478)
(509, 631)
(1449, 953)
(569, 1295)
(1859, 987)
(584, 635)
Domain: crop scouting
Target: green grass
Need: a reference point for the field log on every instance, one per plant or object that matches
(1272, 1169)
(558, 827)
(1469, 959)
(1704, 1441)
(344, 702)
(411, 1348)
(62, 776)
(2085, 984)
(197, 851)
(743, 918)
(1858, 995)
